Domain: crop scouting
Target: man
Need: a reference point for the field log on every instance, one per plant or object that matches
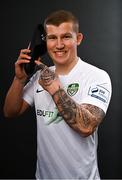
(70, 98)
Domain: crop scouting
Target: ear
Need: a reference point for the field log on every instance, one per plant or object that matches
(79, 38)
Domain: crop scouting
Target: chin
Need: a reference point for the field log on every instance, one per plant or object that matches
(60, 61)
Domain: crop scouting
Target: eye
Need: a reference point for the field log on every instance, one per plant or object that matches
(51, 37)
(67, 36)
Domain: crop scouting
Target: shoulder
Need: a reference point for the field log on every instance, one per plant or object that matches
(93, 71)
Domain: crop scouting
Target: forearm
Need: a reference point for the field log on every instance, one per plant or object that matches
(13, 100)
(82, 118)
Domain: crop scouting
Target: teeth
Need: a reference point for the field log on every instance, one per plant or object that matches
(59, 53)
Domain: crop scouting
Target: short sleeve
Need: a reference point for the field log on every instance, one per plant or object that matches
(98, 91)
(28, 93)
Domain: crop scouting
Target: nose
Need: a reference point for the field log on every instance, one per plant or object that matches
(59, 43)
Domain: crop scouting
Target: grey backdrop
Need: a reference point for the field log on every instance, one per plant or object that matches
(100, 22)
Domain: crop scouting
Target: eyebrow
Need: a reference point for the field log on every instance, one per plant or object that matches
(67, 33)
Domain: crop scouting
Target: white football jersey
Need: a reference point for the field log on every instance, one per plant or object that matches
(61, 152)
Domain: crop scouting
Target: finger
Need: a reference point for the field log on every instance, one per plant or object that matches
(24, 56)
(25, 51)
(39, 59)
(37, 62)
(18, 62)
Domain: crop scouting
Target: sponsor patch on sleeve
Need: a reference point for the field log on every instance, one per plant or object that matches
(99, 92)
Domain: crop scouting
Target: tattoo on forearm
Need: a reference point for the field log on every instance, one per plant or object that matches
(94, 110)
(80, 117)
(46, 75)
(66, 106)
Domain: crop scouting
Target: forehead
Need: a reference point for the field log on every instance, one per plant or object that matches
(66, 27)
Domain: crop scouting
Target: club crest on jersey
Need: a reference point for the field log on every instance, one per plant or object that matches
(73, 89)
(99, 92)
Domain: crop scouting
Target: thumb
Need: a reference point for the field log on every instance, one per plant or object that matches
(37, 62)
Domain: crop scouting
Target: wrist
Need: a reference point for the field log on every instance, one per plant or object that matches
(21, 81)
(59, 90)
(54, 90)
(54, 86)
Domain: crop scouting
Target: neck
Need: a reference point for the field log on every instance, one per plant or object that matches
(64, 69)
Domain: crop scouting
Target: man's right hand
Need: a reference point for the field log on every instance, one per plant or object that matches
(19, 68)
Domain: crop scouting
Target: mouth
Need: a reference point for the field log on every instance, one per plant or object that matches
(60, 53)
